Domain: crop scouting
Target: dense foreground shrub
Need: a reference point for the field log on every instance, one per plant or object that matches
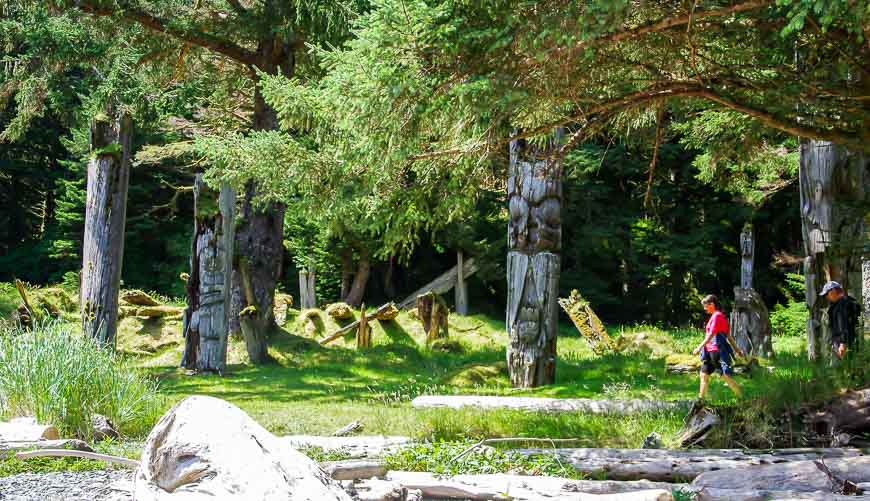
(790, 320)
(63, 378)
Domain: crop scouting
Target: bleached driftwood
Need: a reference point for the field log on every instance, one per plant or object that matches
(547, 404)
(514, 487)
(348, 429)
(666, 465)
(354, 447)
(129, 463)
(206, 448)
(26, 429)
(26, 445)
(354, 469)
(806, 476)
(707, 494)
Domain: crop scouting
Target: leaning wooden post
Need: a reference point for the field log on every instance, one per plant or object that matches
(209, 285)
(105, 217)
(461, 297)
(534, 191)
(835, 189)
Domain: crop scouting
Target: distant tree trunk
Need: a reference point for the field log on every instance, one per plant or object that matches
(346, 272)
(865, 293)
(206, 318)
(534, 190)
(105, 217)
(834, 185)
(390, 278)
(307, 294)
(360, 280)
(750, 319)
(260, 230)
(461, 291)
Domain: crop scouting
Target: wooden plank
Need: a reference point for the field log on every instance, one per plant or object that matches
(667, 465)
(442, 284)
(25, 445)
(354, 469)
(129, 463)
(538, 404)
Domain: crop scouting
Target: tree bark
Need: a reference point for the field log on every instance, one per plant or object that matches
(533, 264)
(105, 218)
(461, 289)
(206, 318)
(360, 279)
(834, 186)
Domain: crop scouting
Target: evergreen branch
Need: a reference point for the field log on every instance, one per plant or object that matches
(147, 20)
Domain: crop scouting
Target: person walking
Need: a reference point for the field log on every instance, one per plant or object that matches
(716, 349)
(843, 317)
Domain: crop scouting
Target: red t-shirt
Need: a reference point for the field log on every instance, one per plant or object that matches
(717, 323)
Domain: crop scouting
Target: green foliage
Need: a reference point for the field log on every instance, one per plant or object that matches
(790, 319)
(64, 379)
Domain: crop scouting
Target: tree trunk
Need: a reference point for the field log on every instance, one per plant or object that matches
(260, 231)
(206, 318)
(533, 264)
(360, 279)
(834, 195)
(461, 290)
(390, 278)
(865, 293)
(346, 272)
(307, 294)
(105, 217)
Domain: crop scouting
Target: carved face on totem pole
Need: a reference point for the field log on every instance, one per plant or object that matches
(534, 241)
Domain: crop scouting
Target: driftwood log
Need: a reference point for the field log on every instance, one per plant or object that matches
(827, 475)
(129, 463)
(534, 190)
(849, 413)
(354, 447)
(108, 178)
(538, 404)
(709, 494)
(347, 328)
(514, 487)
(354, 469)
(665, 465)
(26, 429)
(26, 445)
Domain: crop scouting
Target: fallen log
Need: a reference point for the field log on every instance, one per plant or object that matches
(129, 463)
(708, 494)
(514, 487)
(353, 447)
(667, 465)
(806, 476)
(442, 284)
(354, 469)
(847, 413)
(547, 404)
(348, 429)
(26, 445)
(26, 429)
(347, 328)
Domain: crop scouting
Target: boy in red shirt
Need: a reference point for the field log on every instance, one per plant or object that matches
(715, 350)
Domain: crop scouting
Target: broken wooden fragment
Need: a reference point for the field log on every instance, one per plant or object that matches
(347, 328)
(587, 322)
(26, 445)
(354, 469)
(539, 404)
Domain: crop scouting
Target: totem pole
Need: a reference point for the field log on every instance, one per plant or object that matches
(750, 320)
(835, 191)
(207, 316)
(533, 264)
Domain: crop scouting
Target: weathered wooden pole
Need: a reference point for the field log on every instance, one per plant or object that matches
(209, 286)
(461, 297)
(105, 217)
(307, 294)
(750, 319)
(835, 188)
(534, 191)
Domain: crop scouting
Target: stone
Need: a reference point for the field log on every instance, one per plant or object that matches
(205, 449)
(652, 441)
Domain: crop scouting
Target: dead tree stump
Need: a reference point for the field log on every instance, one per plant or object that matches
(434, 315)
(105, 218)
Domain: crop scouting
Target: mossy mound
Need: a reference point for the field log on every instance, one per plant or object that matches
(147, 336)
(479, 375)
(339, 311)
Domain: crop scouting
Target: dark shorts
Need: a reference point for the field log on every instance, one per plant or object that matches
(714, 362)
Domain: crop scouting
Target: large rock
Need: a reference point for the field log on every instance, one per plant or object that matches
(207, 449)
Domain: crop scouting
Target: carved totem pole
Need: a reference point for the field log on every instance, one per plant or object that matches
(835, 191)
(750, 320)
(209, 287)
(105, 218)
(534, 242)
